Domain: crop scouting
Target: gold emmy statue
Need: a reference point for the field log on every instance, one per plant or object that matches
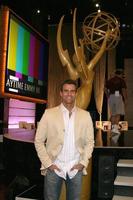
(100, 33)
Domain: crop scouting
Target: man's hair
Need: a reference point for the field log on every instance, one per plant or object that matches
(69, 81)
(118, 72)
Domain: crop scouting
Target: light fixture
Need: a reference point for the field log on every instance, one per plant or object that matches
(97, 5)
(49, 17)
(98, 10)
(38, 11)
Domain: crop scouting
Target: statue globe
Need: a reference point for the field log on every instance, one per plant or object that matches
(95, 26)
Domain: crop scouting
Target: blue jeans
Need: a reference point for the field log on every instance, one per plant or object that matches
(53, 185)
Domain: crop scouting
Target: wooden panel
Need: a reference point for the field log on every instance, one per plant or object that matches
(56, 72)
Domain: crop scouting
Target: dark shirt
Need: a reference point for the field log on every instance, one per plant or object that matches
(115, 84)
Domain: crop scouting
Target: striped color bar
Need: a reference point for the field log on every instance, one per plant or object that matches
(25, 52)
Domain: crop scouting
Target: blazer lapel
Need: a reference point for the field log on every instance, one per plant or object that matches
(61, 120)
(77, 113)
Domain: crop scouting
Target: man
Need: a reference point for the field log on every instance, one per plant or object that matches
(117, 99)
(67, 132)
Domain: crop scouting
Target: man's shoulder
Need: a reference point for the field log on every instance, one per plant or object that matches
(113, 78)
(110, 80)
(52, 109)
(82, 110)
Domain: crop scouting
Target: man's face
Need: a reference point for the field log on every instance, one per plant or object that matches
(68, 94)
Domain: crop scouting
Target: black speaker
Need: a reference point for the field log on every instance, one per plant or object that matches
(105, 176)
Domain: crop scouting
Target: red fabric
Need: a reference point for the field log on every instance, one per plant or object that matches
(115, 84)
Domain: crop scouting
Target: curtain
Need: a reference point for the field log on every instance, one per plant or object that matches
(99, 83)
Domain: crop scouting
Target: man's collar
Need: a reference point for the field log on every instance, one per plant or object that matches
(63, 108)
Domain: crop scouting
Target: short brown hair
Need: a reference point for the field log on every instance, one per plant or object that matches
(68, 81)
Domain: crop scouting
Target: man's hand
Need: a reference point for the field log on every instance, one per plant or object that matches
(53, 167)
(79, 167)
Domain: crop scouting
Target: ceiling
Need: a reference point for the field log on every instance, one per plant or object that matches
(52, 10)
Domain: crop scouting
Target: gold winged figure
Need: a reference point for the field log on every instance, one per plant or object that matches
(76, 66)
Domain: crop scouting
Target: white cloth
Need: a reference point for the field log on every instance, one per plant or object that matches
(69, 156)
(116, 104)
